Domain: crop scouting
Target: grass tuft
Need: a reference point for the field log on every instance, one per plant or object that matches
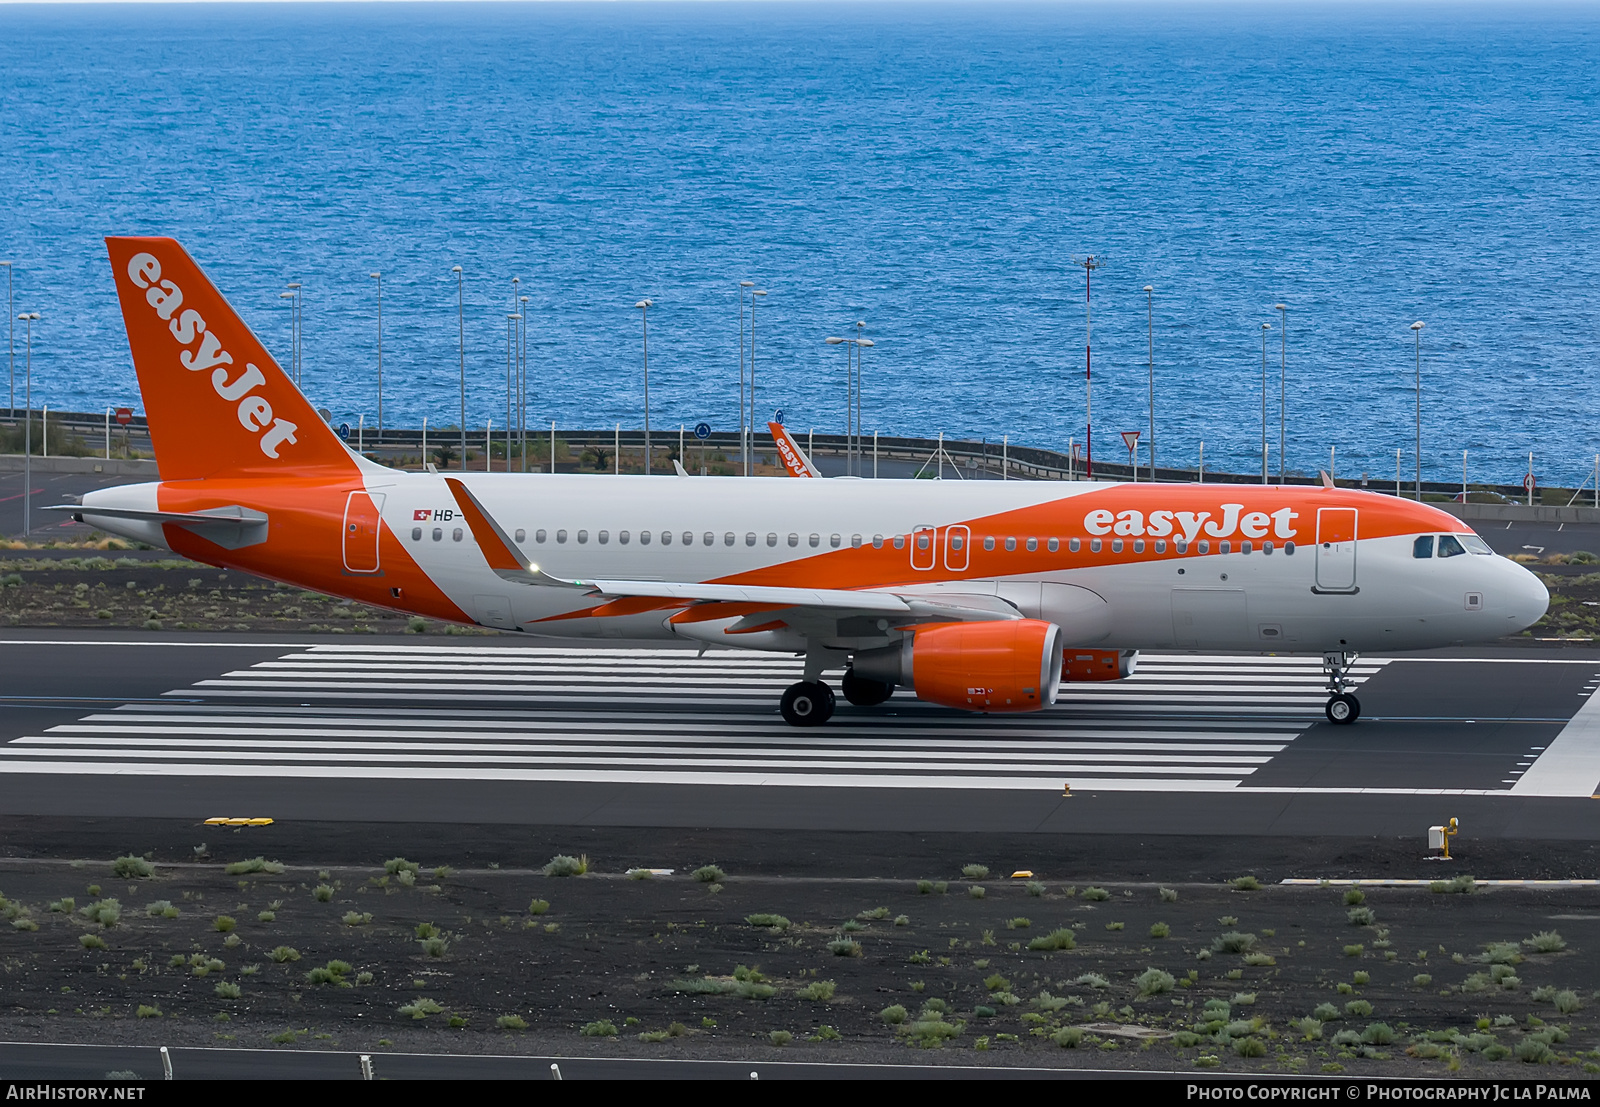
(226, 990)
(284, 954)
(975, 872)
(132, 866)
(1358, 1008)
(356, 918)
(421, 1008)
(146, 1011)
(1153, 982)
(1567, 1002)
(1018, 923)
(159, 909)
(1456, 885)
(820, 991)
(563, 865)
(1160, 930)
(844, 947)
(780, 1037)
(538, 907)
(1354, 897)
(600, 1028)
(1034, 888)
(1360, 916)
(1246, 884)
(1168, 895)
(322, 893)
(224, 924)
(976, 891)
(709, 874)
(774, 922)
(1098, 895)
(511, 1022)
(106, 912)
(91, 941)
(1233, 942)
(1062, 938)
(1546, 941)
(894, 1014)
(254, 865)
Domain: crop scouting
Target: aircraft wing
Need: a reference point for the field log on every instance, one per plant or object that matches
(509, 565)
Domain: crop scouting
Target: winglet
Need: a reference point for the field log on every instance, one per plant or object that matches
(1327, 481)
(678, 468)
(498, 549)
(794, 458)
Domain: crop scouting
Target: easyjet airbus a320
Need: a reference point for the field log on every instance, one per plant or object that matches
(983, 596)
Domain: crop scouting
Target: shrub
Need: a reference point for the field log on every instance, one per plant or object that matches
(1533, 1051)
(435, 947)
(894, 1015)
(851, 926)
(1098, 895)
(67, 905)
(1354, 897)
(421, 1008)
(1068, 1037)
(902, 920)
(160, 909)
(1250, 1047)
(930, 1032)
(1234, 942)
(1358, 1008)
(1360, 916)
(709, 874)
(356, 918)
(224, 924)
(91, 941)
(511, 1022)
(1325, 1012)
(1153, 982)
(1422, 980)
(227, 991)
(924, 887)
(1055, 940)
(780, 1037)
(1168, 895)
(106, 912)
(1496, 1052)
(976, 891)
(1567, 1002)
(562, 865)
(1546, 941)
(538, 907)
(1360, 976)
(1160, 930)
(254, 865)
(844, 947)
(1260, 960)
(1034, 888)
(147, 1012)
(284, 954)
(132, 866)
(601, 1028)
(996, 983)
(818, 990)
(1246, 884)
(775, 922)
(1355, 950)
(1459, 884)
(975, 872)
(1501, 953)
(1113, 926)
(1093, 980)
(1244, 999)
(1378, 1033)
(322, 893)
(1018, 923)
(1309, 1027)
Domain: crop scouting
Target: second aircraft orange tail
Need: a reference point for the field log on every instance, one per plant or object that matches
(216, 401)
(794, 458)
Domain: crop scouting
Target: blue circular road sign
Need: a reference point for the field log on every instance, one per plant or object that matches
(344, 430)
(702, 431)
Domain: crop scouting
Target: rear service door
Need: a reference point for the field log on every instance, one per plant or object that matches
(924, 546)
(956, 541)
(361, 523)
(1336, 549)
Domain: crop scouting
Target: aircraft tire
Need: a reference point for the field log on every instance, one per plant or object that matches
(864, 692)
(1343, 709)
(808, 703)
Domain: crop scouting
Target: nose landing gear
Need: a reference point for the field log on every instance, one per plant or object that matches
(1342, 708)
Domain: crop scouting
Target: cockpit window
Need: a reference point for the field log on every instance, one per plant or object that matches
(1449, 547)
(1422, 547)
(1474, 544)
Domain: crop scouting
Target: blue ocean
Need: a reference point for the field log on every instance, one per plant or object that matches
(933, 170)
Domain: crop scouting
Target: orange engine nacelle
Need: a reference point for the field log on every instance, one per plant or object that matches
(1087, 665)
(1014, 665)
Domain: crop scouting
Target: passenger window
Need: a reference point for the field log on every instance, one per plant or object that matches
(1205, 546)
(1224, 546)
(988, 541)
(877, 541)
(1161, 545)
(538, 536)
(1011, 544)
(1074, 545)
(666, 538)
(583, 537)
(622, 537)
(922, 540)
(1449, 547)
(899, 541)
(1033, 545)
(855, 541)
(956, 542)
(1244, 547)
(1116, 545)
(603, 537)
(1288, 549)
(1180, 545)
(1053, 545)
(1094, 545)
(416, 534)
(1474, 544)
(1422, 548)
(455, 536)
(1138, 545)
(772, 539)
(521, 535)
(644, 538)
(688, 538)
(834, 540)
(794, 540)
(727, 539)
(711, 539)
(1266, 547)
(750, 538)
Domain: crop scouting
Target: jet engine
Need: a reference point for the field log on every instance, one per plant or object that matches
(1009, 665)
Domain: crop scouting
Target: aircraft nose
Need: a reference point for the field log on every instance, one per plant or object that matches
(1530, 599)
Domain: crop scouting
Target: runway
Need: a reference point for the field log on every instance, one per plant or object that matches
(497, 728)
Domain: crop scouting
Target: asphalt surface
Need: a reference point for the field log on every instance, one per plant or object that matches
(489, 730)
(48, 488)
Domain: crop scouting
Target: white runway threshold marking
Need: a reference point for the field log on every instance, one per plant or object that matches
(380, 712)
(1570, 764)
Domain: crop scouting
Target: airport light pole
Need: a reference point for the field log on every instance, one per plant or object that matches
(461, 351)
(294, 357)
(1150, 337)
(27, 434)
(644, 307)
(749, 456)
(1283, 377)
(743, 440)
(861, 343)
(1265, 327)
(511, 330)
(1090, 264)
(11, 345)
(294, 289)
(379, 278)
(522, 380)
(1416, 329)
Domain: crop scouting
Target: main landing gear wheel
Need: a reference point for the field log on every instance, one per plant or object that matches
(864, 692)
(809, 703)
(1343, 709)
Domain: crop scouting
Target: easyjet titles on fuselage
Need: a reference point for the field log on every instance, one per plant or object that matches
(1189, 525)
(254, 412)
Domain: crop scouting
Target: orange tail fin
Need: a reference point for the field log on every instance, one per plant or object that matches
(794, 458)
(216, 400)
